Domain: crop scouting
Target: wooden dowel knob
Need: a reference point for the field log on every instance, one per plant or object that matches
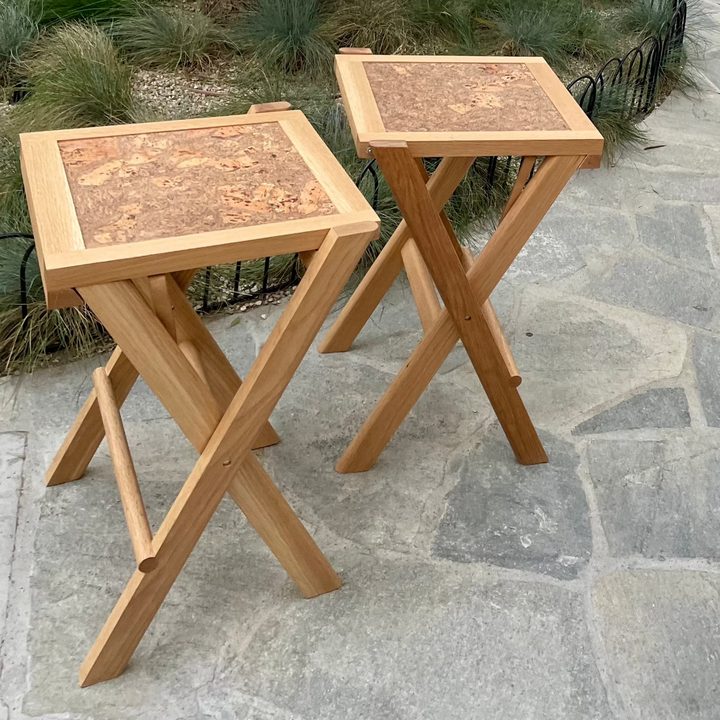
(135, 515)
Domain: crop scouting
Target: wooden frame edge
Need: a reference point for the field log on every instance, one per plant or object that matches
(114, 263)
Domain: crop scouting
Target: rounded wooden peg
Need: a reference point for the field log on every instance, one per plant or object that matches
(279, 106)
(148, 564)
(135, 514)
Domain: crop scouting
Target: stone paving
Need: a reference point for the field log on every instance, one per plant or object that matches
(584, 589)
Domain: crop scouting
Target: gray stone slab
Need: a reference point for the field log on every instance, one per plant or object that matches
(661, 631)
(82, 560)
(686, 186)
(658, 499)
(677, 154)
(707, 370)
(575, 354)
(606, 188)
(12, 457)
(581, 225)
(661, 288)
(529, 518)
(675, 231)
(320, 413)
(409, 641)
(656, 408)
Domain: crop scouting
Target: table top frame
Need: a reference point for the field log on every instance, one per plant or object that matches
(66, 263)
(582, 138)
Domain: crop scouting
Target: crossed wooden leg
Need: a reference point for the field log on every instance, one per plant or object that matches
(467, 315)
(389, 264)
(87, 432)
(223, 435)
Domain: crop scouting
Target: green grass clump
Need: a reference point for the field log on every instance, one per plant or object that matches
(285, 35)
(556, 30)
(221, 10)
(26, 342)
(170, 37)
(76, 79)
(13, 208)
(18, 32)
(384, 26)
(50, 11)
(647, 17)
(617, 124)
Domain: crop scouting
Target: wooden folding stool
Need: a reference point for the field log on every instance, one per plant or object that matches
(122, 216)
(403, 109)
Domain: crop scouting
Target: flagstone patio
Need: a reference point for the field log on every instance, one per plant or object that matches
(584, 589)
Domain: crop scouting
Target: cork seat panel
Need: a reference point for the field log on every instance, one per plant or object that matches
(130, 188)
(460, 97)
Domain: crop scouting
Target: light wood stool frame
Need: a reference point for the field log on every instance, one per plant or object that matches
(426, 247)
(138, 292)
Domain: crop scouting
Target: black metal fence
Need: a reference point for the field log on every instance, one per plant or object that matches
(633, 82)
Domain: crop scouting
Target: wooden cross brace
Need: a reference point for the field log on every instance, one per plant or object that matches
(426, 246)
(163, 340)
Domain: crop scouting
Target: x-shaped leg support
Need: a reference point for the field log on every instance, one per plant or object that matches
(222, 424)
(465, 290)
(87, 432)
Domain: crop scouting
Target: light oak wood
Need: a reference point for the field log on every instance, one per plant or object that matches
(161, 302)
(381, 275)
(463, 307)
(128, 318)
(192, 353)
(561, 98)
(225, 455)
(132, 502)
(279, 106)
(87, 431)
(421, 284)
(117, 262)
(67, 264)
(493, 59)
(213, 367)
(360, 107)
(500, 340)
(524, 171)
(592, 162)
(367, 126)
(307, 257)
(341, 190)
(355, 51)
(513, 231)
(487, 144)
(495, 328)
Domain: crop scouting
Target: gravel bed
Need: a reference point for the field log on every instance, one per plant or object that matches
(176, 94)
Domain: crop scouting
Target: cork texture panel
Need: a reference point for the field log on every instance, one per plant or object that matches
(140, 187)
(460, 97)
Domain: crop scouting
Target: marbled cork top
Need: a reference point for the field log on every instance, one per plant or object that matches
(130, 188)
(460, 97)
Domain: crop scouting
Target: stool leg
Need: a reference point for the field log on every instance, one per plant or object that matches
(421, 284)
(87, 432)
(223, 463)
(449, 276)
(492, 263)
(387, 266)
(161, 362)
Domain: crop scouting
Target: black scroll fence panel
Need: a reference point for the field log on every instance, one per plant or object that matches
(632, 82)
